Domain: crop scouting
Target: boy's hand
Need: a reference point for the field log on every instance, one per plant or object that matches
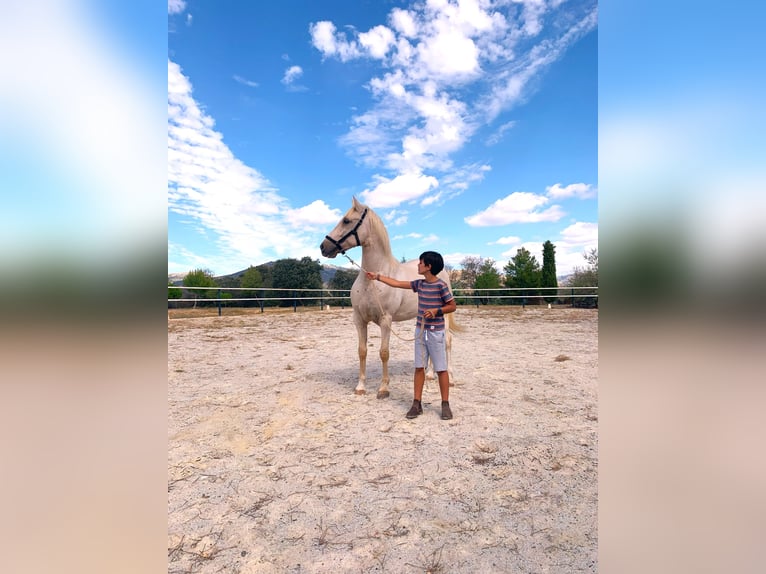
(371, 276)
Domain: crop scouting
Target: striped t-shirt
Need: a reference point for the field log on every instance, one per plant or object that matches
(431, 296)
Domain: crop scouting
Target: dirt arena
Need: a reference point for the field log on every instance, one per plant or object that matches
(275, 465)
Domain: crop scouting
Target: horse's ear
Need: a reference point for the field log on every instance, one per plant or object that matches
(357, 204)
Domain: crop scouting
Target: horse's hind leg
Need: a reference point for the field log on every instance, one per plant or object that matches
(448, 339)
(385, 337)
(361, 331)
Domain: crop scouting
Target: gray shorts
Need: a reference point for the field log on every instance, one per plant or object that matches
(430, 344)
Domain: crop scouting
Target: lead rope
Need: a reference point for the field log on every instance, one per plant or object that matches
(380, 306)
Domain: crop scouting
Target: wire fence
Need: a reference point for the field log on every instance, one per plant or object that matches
(275, 297)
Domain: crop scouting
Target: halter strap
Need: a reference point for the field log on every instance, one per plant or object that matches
(339, 242)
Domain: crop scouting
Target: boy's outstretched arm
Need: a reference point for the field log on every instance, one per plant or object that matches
(388, 280)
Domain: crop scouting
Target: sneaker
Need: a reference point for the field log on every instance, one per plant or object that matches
(446, 411)
(415, 410)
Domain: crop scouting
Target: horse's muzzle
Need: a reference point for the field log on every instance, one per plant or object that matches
(328, 249)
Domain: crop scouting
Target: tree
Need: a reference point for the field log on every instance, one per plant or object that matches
(471, 265)
(548, 275)
(201, 278)
(585, 277)
(592, 258)
(523, 271)
(251, 279)
(173, 293)
(487, 278)
(294, 274)
(343, 279)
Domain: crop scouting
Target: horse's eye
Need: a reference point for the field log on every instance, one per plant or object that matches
(346, 221)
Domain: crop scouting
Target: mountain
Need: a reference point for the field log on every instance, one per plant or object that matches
(327, 273)
(176, 278)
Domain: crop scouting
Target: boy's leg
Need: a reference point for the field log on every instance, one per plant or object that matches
(417, 407)
(444, 384)
(420, 379)
(444, 388)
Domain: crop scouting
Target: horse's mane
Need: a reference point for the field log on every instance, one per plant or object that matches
(378, 228)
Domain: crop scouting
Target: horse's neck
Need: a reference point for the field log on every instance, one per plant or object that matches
(375, 258)
(376, 254)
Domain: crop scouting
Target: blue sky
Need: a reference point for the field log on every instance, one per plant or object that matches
(470, 126)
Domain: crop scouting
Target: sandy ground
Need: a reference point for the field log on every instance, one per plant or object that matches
(274, 465)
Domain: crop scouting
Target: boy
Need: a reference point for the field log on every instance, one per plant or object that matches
(434, 301)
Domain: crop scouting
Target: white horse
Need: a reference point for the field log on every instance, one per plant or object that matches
(361, 226)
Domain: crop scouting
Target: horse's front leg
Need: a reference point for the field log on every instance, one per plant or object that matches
(385, 337)
(361, 331)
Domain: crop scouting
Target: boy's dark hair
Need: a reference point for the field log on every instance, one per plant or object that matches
(433, 259)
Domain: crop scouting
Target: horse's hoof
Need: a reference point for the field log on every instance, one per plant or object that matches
(360, 392)
(382, 394)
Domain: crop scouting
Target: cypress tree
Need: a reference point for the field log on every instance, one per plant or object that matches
(548, 277)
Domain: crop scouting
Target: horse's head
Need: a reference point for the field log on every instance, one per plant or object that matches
(348, 233)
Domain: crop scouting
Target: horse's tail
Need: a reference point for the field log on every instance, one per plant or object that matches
(452, 324)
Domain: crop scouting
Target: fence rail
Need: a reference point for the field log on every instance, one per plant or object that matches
(574, 296)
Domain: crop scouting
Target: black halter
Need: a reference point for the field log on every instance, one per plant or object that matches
(353, 232)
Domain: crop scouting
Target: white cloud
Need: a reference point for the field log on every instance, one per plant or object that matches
(176, 6)
(535, 248)
(580, 233)
(512, 81)
(518, 207)
(461, 178)
(314, 214)
(407, 236)
(509, 240)
(424, 239)
(577, 190)
(431, 199)
(331, 43)
(403, 22)
(576, 239)
(531, 16)
(181, 260)
(377, 41)
(447, 69)
(237, 204)
(291, 74)
(454, 259)
(396, 217)
(245, 81)
(497, 136)
(289, 79)
(402, 188)
(449, 55)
